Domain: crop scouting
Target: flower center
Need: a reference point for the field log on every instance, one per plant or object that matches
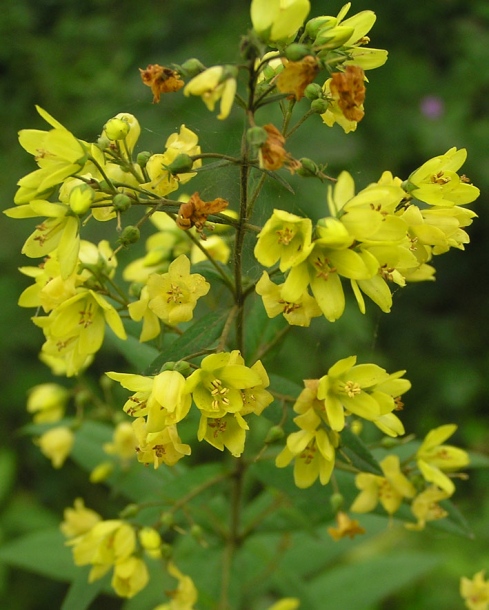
(352, 389)
(439, 178)
(218, 393)
(175, 294)
(285, 236)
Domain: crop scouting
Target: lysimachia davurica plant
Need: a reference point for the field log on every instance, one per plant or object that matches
(192, 316)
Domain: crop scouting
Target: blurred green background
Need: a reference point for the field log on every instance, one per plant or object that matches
(80, 62)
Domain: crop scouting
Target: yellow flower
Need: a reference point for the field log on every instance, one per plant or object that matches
(80, 321)
(173, 295)
(314, 455)
(434, 458)
(163, 398)
(436, 182)
(214, 84)
(57, 152)
(366, 390)
(425, 507)
(346, 527)
(162, 447)
(104, 545)
(184, 596)
(475, 591)
(123, 443)
(278, 20)
(56, 444)
(285, 237)
(217, 385)
(48, 402)
(59, 231)
(298, 313)
(130, 576)
(389, 489)
(162, 181)
(228, 431)
(78, 520)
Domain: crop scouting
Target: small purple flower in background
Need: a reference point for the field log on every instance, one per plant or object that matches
(432, 107)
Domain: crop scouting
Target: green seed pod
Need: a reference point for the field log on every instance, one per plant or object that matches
(296, 51)
(319, 106)
(143, 158)
(256, 136)
(313, 91)
(129, 235)
(121, 202)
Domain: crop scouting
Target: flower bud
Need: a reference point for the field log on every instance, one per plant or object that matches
(167, 519)
(313, 91)
(191, 68)
(143, 158)
(319, 106)
(129, 511)
(129, 235)
(181, 165)
(313, 26)
(116, 129)
(101, 472)
(275, 434)
(296, 51)
(121, 202)
(308, 168)
(81, 198)
(197, 532)
(256, 136)
(149, 538)
(183, 367)
(336, 502)
(332, 39)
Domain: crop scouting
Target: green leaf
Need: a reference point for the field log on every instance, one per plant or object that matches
(7, 473)
(82, 593)
(362, 585)
(136, 483)
(140, 355)
(358, 454)
(211, 274)
(261, 331)
(200, 336)
(43, 553)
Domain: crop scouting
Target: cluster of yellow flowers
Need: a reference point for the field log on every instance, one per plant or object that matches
(376, 236)
(386, 234)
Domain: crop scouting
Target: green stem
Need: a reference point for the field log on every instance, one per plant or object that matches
(238, 248)
(233, 539)
(299, 123)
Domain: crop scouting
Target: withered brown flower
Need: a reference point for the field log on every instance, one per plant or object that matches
(161, 80)
(194, 212)
(273, 154)
(296, 75)
(348, 88)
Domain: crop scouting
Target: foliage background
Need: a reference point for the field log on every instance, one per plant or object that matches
(80, 62)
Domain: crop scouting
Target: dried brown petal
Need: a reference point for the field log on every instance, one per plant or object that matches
(194, 212)
(161, 80)
(296, 75)
(348, 88)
